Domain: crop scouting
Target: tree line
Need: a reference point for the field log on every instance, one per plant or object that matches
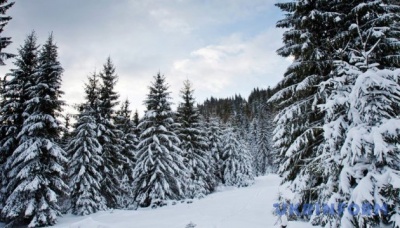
(330, 128)
(337, 126)
(110, 158)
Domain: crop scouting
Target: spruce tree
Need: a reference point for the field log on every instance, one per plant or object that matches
(298, 133)
(334, 44)
(369, 154)
(136, 118)
(160, 173)
(13, 103)
(263, 155)
(85, 158)
(36, 166)
(110, 136)
(66, 136)
(194, 145)
(4, 41)
(108, 95)
(361, 85)
(124, 123)
(136, 123)
(66, 131)
(237, 167)
(251, 138)
(214, 138)
(92, 90)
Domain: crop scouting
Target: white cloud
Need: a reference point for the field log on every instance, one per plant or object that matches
(208, 42)
(235, 65)
(169, 22)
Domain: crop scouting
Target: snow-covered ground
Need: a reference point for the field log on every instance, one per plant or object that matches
(229, 208)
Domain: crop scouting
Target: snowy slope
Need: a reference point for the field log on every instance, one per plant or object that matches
(229, 208)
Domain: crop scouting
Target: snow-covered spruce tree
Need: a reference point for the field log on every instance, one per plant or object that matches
(252, 136)
(136, 118)
(356, 42)
(370, 154)
(110, 137)
(13, 98)
(136, 123)
(36, 166)
(346, 28)
(336, 123)
(194, 145)
(315, 39)
(263, 156)
(66, 131)
(4, 41)
(236, 159)
(239, 116)
(269, 126)
(259, 136)
(63, 141)
(85, 158)
(214, 138)
(362, 98)
(92, 90)
(160, 173)
(298, 133)
(260, 145)
(125, 124)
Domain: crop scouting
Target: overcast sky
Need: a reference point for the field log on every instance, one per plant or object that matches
(224, 47)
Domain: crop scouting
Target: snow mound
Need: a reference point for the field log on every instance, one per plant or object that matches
(88, 223)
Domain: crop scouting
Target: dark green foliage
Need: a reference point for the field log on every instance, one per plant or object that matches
(159, 173)
(109, 136)
(37, 164)
(298, 132)
(214, 137)
(85, 159)
(333, 43)
(227, 109)
(125, 124)
(4, 41)
(13, 103)
(196, 155)
(136, 123)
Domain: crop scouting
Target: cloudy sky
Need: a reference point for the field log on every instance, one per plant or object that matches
(224, 47)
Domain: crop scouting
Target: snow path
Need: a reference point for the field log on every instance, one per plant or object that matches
(249, 207)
